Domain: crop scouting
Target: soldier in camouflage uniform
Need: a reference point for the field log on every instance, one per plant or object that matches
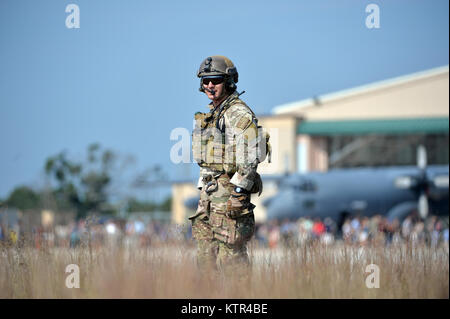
(224, 145)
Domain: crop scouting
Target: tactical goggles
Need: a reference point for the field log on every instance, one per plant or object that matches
(213, 79)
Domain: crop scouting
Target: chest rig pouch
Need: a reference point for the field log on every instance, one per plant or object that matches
(208, 141)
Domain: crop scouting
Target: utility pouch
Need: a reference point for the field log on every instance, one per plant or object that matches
(264, 147)
(201, 229)
(197, 147)
(232, 231)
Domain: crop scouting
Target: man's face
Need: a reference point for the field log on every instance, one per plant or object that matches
(214, 87)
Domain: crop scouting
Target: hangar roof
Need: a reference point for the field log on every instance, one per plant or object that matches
(419, 95)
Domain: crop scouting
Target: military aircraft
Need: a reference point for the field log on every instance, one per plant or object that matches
(391, 191)
(394, 192)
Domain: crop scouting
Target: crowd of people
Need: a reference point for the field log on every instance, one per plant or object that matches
(353, 230)
(115, 232)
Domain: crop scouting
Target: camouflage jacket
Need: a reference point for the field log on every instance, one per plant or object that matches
(239, 125)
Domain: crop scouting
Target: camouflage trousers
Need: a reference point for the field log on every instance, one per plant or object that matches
(221, 241)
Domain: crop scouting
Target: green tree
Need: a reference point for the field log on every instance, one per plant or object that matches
(66, 175)
(83, 186)
(135, 205)
(166, 205)
(23, 198)
(93, 185)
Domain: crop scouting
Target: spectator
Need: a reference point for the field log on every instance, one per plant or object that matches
(274, 235)
(261, 234)
(356, 228)
(363, 236)
(347, 231)
(318, 228)
(407, 227)
(330, 225)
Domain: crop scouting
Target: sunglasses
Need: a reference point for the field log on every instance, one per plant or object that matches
(214, 80)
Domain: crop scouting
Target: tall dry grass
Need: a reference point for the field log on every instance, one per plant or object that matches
(312, 271)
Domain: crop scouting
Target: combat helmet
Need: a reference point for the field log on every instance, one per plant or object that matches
(219, 65)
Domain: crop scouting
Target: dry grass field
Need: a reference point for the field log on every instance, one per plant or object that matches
(313, 271)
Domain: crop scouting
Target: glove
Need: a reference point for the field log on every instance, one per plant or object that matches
(257, 185)
(237, 203)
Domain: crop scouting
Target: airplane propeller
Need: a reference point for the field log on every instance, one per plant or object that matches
(423, 183)
(423, 206)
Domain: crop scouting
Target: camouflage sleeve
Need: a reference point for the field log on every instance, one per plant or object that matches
(200, 183)
(203, 172)
(244, 130)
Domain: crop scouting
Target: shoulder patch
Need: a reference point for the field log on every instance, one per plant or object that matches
(243, 123)
(238, 115)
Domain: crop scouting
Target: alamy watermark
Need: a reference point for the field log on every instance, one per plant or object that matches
(73, 19)
(373, 19)
(373, 279)
(73, 280)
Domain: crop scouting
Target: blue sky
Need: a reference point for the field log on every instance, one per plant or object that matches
(126, 77)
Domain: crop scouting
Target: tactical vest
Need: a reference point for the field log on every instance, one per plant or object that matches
(208, 139)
